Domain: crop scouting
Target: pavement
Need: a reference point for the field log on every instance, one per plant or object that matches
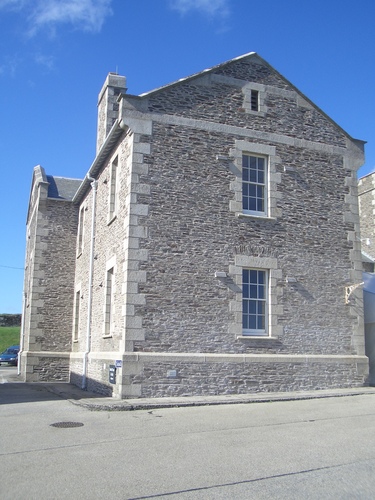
(96, 402)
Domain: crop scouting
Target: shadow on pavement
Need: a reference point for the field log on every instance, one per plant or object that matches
(24, 392)
(12, 393)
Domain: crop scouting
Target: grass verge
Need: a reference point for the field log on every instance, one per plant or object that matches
(9, 335)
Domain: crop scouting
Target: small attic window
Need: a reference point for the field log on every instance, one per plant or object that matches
(254, 100)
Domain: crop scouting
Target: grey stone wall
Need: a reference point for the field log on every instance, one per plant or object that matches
(50, 369)
(110, 247)
(56, 285)
(192, 234)
(220, 98)
(211, 379)
(49, 279)
(366, 192)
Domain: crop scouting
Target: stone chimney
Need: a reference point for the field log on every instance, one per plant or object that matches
(108, 106)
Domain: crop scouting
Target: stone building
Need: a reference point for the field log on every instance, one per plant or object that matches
(209, 249)
(366, 197)
(46, 338)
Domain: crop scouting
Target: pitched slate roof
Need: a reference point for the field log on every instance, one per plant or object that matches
(62, 188)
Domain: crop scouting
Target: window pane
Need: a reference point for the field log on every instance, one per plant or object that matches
(259, 191)
(260, 176)
(260, 204)
(252, 306)
(252, 190)
(253, 162)
(261, 308)
(261, 323)
(253, 276)
(253, 175)
(252, 205)
(252, 322)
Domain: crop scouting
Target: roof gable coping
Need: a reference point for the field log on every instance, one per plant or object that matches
(199, 74)
(39, 177)
(257, 59)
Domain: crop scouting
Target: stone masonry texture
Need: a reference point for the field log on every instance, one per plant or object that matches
(49, 281)
(366, 192)
(174, 328)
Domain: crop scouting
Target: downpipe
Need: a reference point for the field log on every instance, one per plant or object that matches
(94, 186)
(22, 335)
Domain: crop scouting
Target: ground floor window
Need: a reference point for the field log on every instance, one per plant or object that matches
(254, 301)
(77, 310)
(108, 313)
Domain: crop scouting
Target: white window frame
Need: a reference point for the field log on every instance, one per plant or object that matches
(274, 296)
(109, 295)
(273, 178)
(108, 312)
(77, 313)
(113, 190)
(81, 226)
(251, 297)
(256, 183)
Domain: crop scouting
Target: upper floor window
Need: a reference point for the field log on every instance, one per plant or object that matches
(255, 180)
(254, 100)
(254, 184)
(80, 230)
(77, 311)
(113, 188)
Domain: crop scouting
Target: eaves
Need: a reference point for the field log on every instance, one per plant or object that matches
(102, 156)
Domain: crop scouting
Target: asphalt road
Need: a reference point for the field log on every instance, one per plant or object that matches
(311, 449)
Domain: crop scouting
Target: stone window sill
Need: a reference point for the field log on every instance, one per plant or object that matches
(107, 336)
(255, 337)
(253, 216)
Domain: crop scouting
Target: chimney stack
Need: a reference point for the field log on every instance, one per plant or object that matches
(108, 107)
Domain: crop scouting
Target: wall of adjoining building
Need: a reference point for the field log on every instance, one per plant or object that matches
(48, 288)
(366, 198)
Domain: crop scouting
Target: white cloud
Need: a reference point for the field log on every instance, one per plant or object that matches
(11, 3)
(88, 15)
(10, 65)
(47, 62)
(211, 8)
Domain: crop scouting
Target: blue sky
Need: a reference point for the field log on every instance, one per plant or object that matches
(55, 55)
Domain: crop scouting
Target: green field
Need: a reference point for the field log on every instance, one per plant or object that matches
(9, 335)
